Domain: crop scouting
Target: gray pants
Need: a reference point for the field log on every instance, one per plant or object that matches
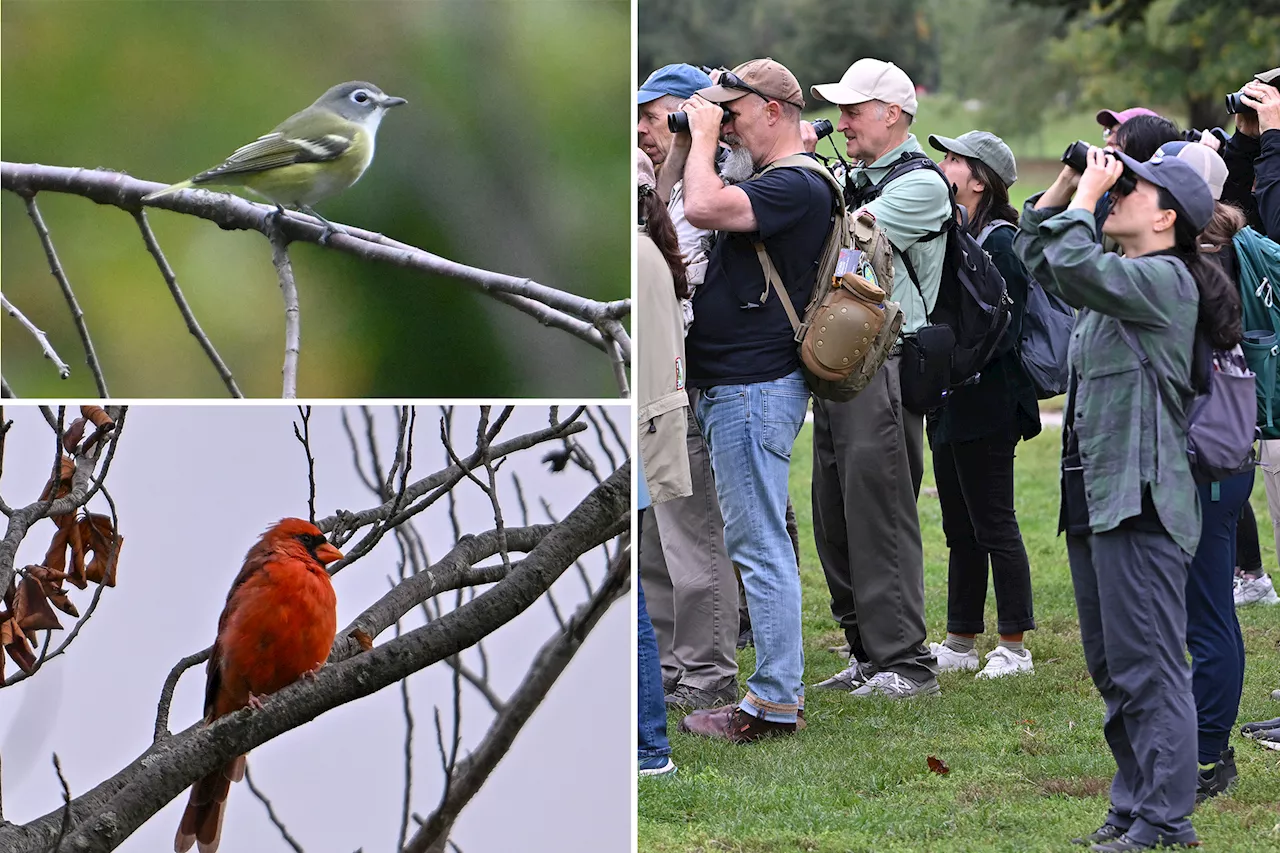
(1131, 596)
(690, 587)
(868, 461)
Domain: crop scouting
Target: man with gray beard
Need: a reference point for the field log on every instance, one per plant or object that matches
(742, 357)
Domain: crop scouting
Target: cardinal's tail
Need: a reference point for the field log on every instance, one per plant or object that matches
(202, 821)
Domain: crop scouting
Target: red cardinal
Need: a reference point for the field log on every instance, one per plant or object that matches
(278, 625)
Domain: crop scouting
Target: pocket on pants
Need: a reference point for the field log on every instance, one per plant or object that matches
(664, 453)
(784, 405)
(1269, 455)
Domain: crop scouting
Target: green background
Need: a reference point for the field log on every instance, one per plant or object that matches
(513, 155)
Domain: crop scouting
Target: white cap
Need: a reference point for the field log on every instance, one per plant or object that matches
(871, 80)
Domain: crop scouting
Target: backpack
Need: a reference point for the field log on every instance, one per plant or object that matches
(1047, 324)
(1259, 275)
(1220, 420)
(972, 302)
(849, 324)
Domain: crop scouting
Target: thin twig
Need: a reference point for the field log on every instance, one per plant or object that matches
(170, 683)
(271, 813)
(64, 370)
(292, 314)
(153, 246)
(6, 390)
(77, 314)
(66, 808)
(304, 438)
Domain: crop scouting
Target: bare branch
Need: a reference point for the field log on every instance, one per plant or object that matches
(304, 438)
(77, 314)
(193, 326)
(292, 314)
(171, 684)
(64, 370)
(66, 808)
(271, 813)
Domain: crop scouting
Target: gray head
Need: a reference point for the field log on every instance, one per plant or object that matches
(358, 101)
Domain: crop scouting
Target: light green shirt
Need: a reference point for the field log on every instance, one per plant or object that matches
(913, 206)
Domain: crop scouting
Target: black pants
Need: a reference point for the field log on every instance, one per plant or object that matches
(975, 490)
(1248, 552)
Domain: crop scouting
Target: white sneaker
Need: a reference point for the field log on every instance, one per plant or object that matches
(1003, 661)
(1255, 591)
(950, 660)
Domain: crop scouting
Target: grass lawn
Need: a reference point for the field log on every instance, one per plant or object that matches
(1029, 768)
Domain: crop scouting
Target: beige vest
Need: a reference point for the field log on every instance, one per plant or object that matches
(662, 403)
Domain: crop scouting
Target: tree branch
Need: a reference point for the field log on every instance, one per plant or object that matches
(292, 314)
(64, 370)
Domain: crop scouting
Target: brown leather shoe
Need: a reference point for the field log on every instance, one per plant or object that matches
(732, 724)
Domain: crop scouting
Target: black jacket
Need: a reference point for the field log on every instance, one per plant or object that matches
(1253, 179)
(1003, 401)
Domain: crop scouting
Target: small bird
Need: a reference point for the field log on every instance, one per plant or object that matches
(277, 626)
(310, 156)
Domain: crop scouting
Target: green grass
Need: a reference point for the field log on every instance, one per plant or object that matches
(1029, 766)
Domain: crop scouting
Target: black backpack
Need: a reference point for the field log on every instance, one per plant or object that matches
(973, 304)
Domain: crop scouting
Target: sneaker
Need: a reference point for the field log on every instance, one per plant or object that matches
(689, 698)
(1256, 591)
(950, 660)
(850, 678)
(1125, 844)
(1270, 739)
(1003, 661)
(660, 766)
(843, 650)
(1215, 781)
(891, 685)
(1106, 832)
(1255, 729)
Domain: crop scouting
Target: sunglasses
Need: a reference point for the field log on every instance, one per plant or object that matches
(729, 80)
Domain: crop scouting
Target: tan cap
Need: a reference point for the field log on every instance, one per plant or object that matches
(1272, 76)
(871, 80)
(771, 80)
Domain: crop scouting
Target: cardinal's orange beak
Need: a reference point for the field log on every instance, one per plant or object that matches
(327, 554)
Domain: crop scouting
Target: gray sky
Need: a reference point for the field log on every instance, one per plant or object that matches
(195, 487)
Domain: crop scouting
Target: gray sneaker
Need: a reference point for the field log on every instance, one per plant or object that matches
(850, 678)
(689, 698)
(891, 685)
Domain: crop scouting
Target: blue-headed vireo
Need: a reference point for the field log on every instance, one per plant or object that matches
(310, 156)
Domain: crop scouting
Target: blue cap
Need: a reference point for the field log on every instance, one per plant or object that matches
(1188, 187)
(680, 80)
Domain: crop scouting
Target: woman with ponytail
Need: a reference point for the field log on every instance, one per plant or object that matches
(1129, 503)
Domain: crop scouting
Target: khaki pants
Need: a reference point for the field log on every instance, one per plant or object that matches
(1269, 462)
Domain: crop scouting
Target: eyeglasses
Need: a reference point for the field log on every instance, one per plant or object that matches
(1107, 133)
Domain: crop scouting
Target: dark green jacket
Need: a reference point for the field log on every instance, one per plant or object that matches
(1128, 441)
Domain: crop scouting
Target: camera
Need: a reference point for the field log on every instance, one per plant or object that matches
(1077, 157)
(1193, 135)
(1235, 106)
(823, 128)
(679, 122)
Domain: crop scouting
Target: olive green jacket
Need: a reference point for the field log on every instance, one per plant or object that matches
(1130, 438)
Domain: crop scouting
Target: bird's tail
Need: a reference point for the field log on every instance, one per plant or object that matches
(169, 190)
(202, 820)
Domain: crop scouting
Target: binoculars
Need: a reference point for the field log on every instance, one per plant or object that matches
(679, 123)
(1077, 157)
(1235, 106)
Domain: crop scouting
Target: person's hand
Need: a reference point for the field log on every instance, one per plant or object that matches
(1209, 140)
(1265, 99)
(808, 137)
(1103, 171)
(704, 117)
(1061, 190)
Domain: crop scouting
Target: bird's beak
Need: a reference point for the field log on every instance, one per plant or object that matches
(389, 101)
(327, 554)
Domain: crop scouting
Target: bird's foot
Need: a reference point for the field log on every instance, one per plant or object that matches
(310, 675)
(255, 702)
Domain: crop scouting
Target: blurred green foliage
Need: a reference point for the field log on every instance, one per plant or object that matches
(509, 156)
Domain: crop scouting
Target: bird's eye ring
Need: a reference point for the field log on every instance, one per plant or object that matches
(360, 96)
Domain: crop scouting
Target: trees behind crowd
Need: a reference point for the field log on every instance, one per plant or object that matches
(1177, 56)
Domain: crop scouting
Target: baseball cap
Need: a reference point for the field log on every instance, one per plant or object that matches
(1271, 77)
(871, 80)
(645, 176)
(769, 78)
(1190, 192)
(1203, 159)
(1111, 118)
(983, 146)
(681, 80)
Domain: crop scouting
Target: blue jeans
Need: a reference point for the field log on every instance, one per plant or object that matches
(1213, 634)
(651, 708)
(750, 430)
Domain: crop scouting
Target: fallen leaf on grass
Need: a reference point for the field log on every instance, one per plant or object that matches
(937, 765)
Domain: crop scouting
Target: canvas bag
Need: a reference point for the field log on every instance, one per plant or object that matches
(1220, 421)
(1047, 324)
(849, 324)
(1259, 276)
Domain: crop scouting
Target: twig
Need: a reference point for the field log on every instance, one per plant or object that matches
(193, 326)
(6, 390)
(64, 370)
(304, 438)
(618, 360)
(271, 813)
(170, 684)
(77, 315)
(66, 807)
(292, 314)
(408, 758)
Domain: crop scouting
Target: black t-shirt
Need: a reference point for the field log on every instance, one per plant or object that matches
(737, 338)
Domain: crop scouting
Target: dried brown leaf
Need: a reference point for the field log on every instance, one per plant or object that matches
(98, 417)
(72, 436)
(15, 643)
(937, 765)
(101, 538)
(31, 608)
(365, 641)
(58, 598)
